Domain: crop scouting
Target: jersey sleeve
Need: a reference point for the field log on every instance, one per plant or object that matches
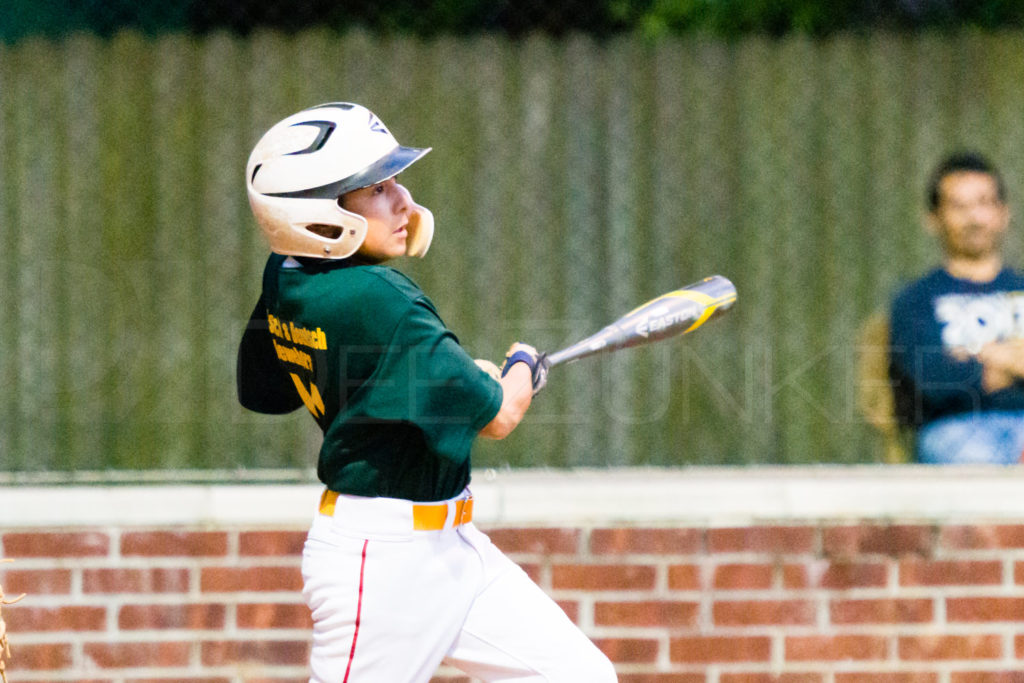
(263, 385)
(426, 378)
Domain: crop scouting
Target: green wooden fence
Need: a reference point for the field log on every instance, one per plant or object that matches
(570, 180)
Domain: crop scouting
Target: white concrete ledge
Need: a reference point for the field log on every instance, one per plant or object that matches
(649, 496)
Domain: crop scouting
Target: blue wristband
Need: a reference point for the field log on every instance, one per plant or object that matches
(519, 357)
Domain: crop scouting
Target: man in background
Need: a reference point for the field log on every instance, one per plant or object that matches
(957, 334)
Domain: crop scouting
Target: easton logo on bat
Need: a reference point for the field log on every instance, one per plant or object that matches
(674, 313)
(660, 320)
(696, 307)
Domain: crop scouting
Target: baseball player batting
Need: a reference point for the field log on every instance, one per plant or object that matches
(398, 578)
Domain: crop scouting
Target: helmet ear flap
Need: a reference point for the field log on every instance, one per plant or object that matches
(421, 231)
(341, 244)
(323, 235)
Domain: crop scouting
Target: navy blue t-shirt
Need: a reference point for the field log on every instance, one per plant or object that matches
(936, 325)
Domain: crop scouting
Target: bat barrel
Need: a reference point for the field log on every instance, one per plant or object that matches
(675, 313)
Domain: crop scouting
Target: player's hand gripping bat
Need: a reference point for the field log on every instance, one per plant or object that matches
(675, 313)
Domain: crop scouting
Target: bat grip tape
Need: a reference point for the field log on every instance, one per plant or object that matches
(519, 357)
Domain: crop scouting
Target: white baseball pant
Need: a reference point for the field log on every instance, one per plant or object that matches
(391, 603)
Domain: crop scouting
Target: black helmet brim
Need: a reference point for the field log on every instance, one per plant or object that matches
(388, 166)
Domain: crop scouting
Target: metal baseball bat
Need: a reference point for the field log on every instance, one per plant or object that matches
(675, 313)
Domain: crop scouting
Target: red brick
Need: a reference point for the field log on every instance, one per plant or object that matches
(662, 678)
(982, 537)
(271, 652)
(763, 613)
(41, 544)
(532, 570)
(274, 615)
(882, 611)
(946, 647)
(602, 577)
(775, 540)
(684, 577)
(893, 540)
(666, 613)
(136, 617)
(905, 677)
(797, 576)
(628, 541)
(835, 648)
(987, 677)
(124, 655)
(918, 572)
(743, 576)
(571, 609)
(36, 581)
(155, 580)
(836, 574)
(629, 650)
(271, 543)
(769, 678)
(233, 579)
(841, 575)
(174, 543)
(984, 609)
(42, 657)
(1018, 573)
(21, 618)
(537, 541)
(720, 649)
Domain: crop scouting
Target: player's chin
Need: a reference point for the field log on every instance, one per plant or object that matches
(397, 244)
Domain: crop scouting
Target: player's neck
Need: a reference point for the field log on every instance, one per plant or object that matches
(976, 270)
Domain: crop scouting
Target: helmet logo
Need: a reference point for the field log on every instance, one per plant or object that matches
(376, 125)
(326, 128)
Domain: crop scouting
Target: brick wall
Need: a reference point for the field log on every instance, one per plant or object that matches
(117, 594)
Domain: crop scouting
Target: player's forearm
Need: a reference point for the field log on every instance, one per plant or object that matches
(517, 392)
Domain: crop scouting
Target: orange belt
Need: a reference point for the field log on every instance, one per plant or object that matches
(425, 516)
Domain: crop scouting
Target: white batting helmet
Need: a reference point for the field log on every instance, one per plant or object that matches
(303, 164)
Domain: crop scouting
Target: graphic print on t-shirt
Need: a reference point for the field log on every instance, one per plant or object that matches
(969, 321)
(288, 339)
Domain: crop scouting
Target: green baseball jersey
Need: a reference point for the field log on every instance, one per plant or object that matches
(362, 347)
